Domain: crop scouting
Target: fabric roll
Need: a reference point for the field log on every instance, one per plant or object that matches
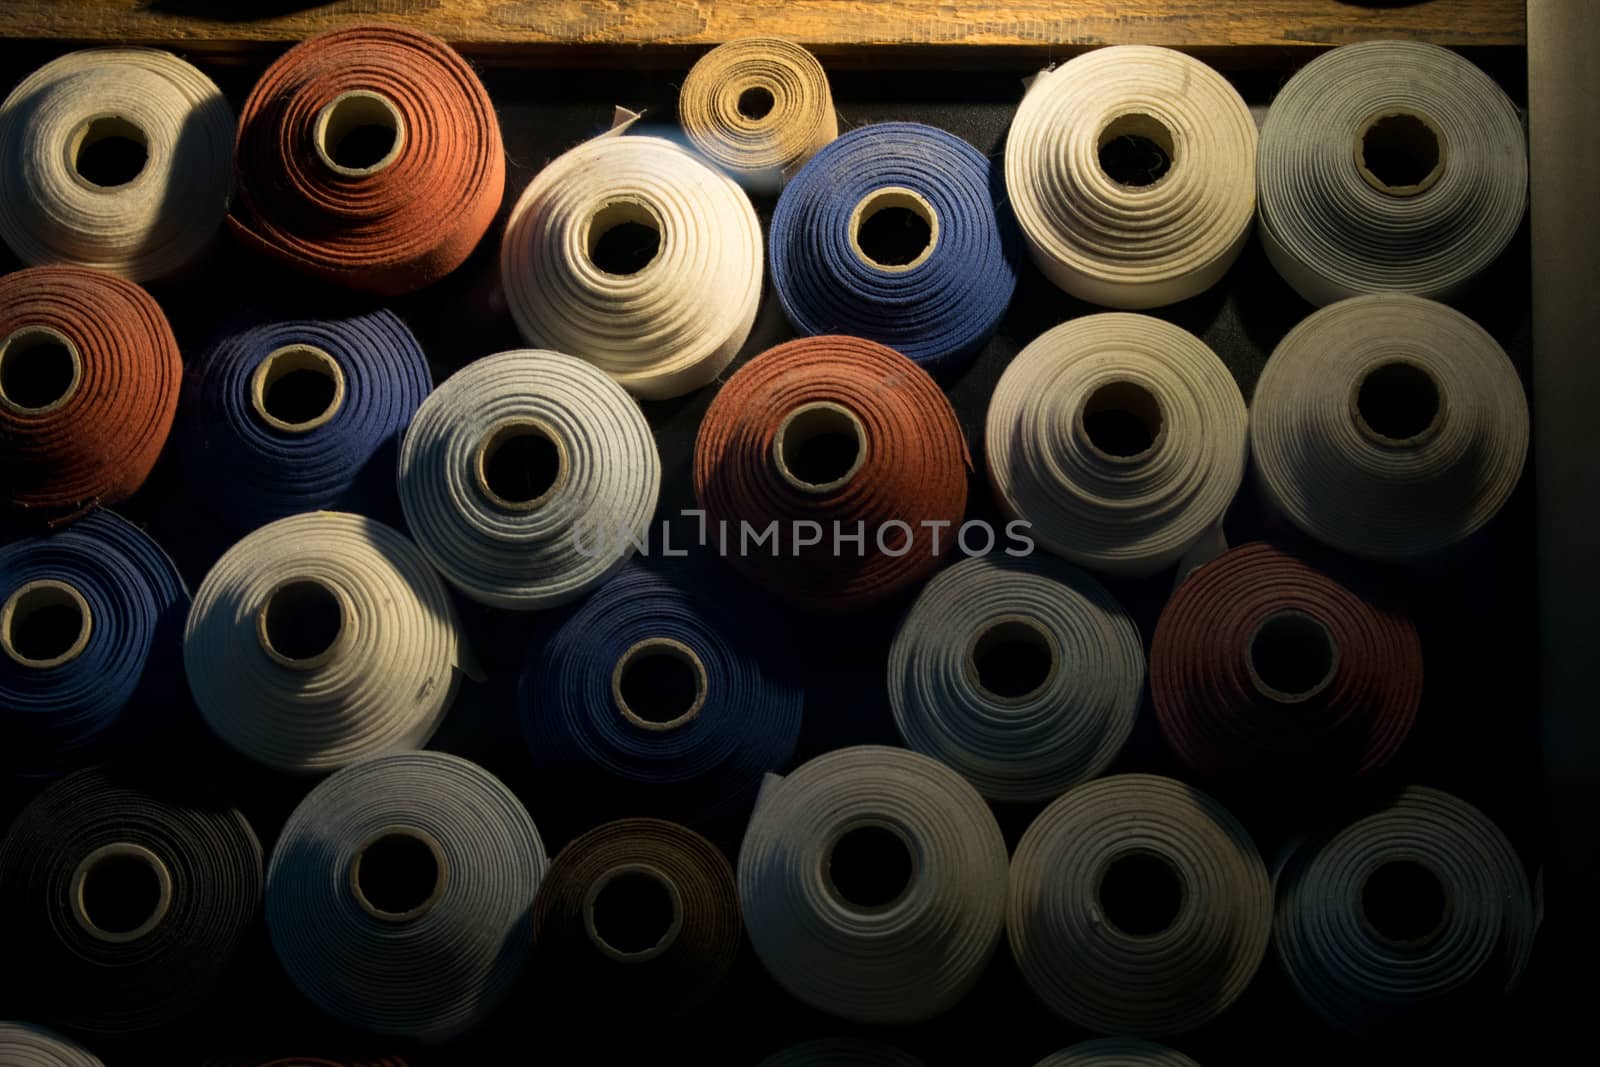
(91, 624)
(836, 272)
(1122, 440)
(1409, 916)
(652, 700)
(298, 416)
(369, 158)
(758, 107)
(1065, 661)
(1138, 906)
(1117, 1052)
(399, 894)
(841, 1052)
(127, 902)
(1389, 427)
(668, 315)
(1389, 166)
(322, 639)
(640, 912)
(873, 883)
(1131, 170)
(822, 440)
(89, 380)
(119, 159)
(24, 1045)
(528, 478)
(1270, 663)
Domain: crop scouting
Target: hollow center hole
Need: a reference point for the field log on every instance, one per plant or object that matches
(624, 238)
(45, 624)
(1398, 400)
(1136, 150)
(120, 893)
(36, 370)
(303, 619)
(1293, 654)
(870, 866)
(360, 132)
(895, 234)
(1013, 659)
(111, 151)
(398, 874)
(1122, 419)
(1141, 894)
(756, 102)
(659, 685)
(1403, 901)
(521, 464)
(1400, 151)
(299, 395)
(633, 912)
(820, 446)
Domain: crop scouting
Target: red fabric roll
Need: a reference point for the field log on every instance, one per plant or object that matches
(407, 224)
(913, 464)
(89, 380)
(1265, 662)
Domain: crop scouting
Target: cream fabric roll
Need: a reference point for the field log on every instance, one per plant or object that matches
(1117, 1052)
(146, 227)
(24, 1045)
(841, 1052)
(1133, 245)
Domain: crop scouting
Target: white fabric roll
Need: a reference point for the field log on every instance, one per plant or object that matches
(24, 1045)
(1133, 246)
(902, 960)
(147, 227)
(579, 532)
(1017, 747)
(1332, 231)
(669, 327)
(1117, 1052)
(383, 683)
(1122, 514)
(1449, 398)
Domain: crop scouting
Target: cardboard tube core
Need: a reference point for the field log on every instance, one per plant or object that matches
(520, 464)
(45, 623)
(1398, 404)
(109, 151)
(894, 229)
(40, 370)
(1121, 421)
(359, 133)
(1291, 657)
(870, 865)
(302, 623)
(399, 874)
(1141, 893)
(121, 892)
(1404, 903)
(819, 447)
(624, 237)
(1012, 660)
(1136, 150)
(633, 913)
(1400, 153)
(297, 388)
(659, 684)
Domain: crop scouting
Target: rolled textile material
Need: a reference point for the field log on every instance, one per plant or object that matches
(370, 158)
(1389, 427)
(758, 107)
(631, 253)
(639, 911)
(841, 1052)
(119, 159)
(24, 1045)
(1389, 166)
(892, 233)
(1121, 438)
(873, 883)
(1138, 906)
(1131, 170)
(1264, 661)
(319, 640)
(399, 894)
(1117, 1052)
(649, 698)
(298, 416)
(89, 380)
(1024, 675)
(127, 902)
(836, 437)
(528, 477)
(91, 624)
(1409, 916)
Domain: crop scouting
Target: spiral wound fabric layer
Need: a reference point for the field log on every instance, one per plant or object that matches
(528, 478)
(1263, 662)
(91, 622)
(120, 159)
(935, 298)
(841, 1052)
(1131, 170)
(125, 904)
(1117, 1052)
(1138, 906)
(1405, 916)
(758, 107)
(1389, 427)
(22, 1045)
(89, 380)
(1063, 659)
(645, 687)
(319, 640)
(1121, 438)
(1389, 166)
(873, 883)
(835, 438)
(666, 314)
(639, 912)
(399, 894)
(369, 157)
(295, 416)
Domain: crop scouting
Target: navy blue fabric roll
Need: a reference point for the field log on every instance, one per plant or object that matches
(287, 417)
(645, 689)
(879, 189)
(91, 627)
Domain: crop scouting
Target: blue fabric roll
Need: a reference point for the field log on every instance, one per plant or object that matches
(938, 312)
(56, 718)
(252, 472)
(708, 765)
